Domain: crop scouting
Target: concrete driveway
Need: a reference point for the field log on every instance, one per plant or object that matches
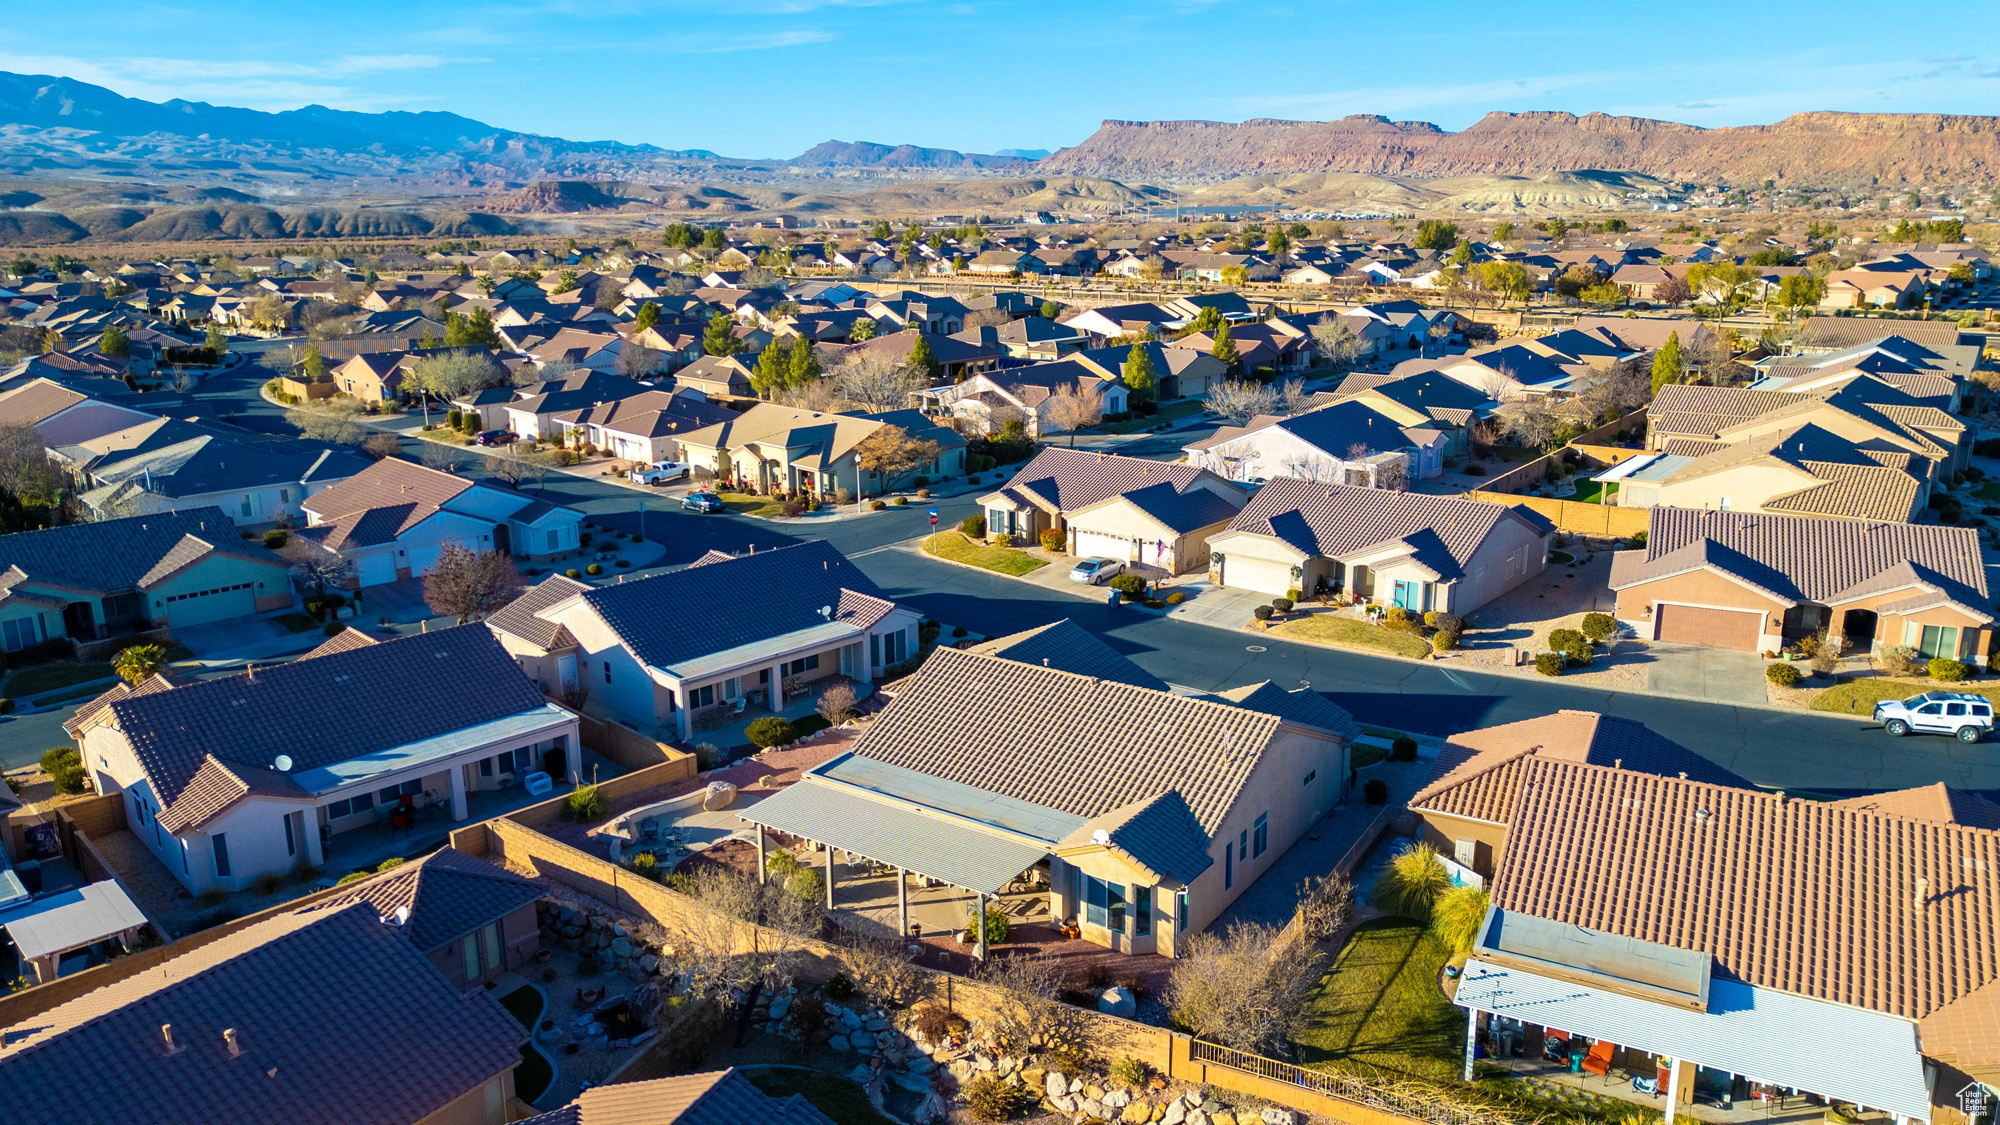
(1719, 675)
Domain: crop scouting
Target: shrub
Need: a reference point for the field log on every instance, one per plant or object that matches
(1262, 613)
(991, 1099)
(69, 777)
(932, 1021)
(1899, 660)
(1176, 598)
(1412, 884)
(572, 572)
(1431, 617)
(997, 926)
(839, 987)
(769, 731)
(793, 508)
(647, 865)
(56, 758)
(594, 568)
(1599, 626)
(352, 877)
(1053, 540)
(269, 883)
(843, 496)
(1781, 674)
(1475, 470)
(1825, 661)
(899, 501)
(1376, 792)
(585, 804)
(1400, 618)
(1404, 748)
(1130, 1072)
(807, 884)
(1002, 539)
(454, 419)
(1130, 585)
(1946, 670)
(1282, 605)
(876, 506)
(1446, 623)
(1637, 542)
(1443, 642)
(6, 705)
(392, 863)
(276, 538)
(973, 527)
(1550, 663)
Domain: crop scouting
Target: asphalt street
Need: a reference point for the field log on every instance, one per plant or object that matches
(1801, 753)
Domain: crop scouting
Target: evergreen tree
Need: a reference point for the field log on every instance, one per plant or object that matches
(923, 362)
(804, 366)
(864, 329)
(714, 241)
(1208, 319)
(1667, 364)
(1225, 348)
(1050, 310)
(718, 338)
(314, 364)
(648, 316)
(215, 341)
(772, 371)
(1140, 378)
(114, 341)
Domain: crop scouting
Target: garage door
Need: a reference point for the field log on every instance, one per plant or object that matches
(375, 570)
(1091, 543)
(1716, 628)
(198, 607)
(421, 559)
(1241, 572)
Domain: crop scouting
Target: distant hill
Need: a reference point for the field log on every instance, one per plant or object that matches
(868, 154)
(1023, 153)
(1811, 148)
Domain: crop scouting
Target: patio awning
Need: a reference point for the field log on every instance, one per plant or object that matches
(1626, 467)
(72, 919)
(928, 844)
(1776, 1038)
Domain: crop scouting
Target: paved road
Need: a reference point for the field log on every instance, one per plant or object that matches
(1801, 753)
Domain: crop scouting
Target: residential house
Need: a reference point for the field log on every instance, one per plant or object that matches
(938, 316)
(535, 411)
(167, 465)
(1351, 442)
(680, 651)
(716, 376)
(1179, 371)
(1516, 368)
(717, 1097)
(1859, 289)
(1146, 513)
(392, 520)
(61, 415)
(1882, 422)
(218, 788)
(1404, 549)
(267, 1024)
(1760, 582)
(1007, 262)
(1930, 378)
(1804, 470)
(1031, 338)
(90, 580)
(957, 358)
(645, 427)
(1145, 812)
(371, 376)
(1421, 398)
(473, 920)
(772, 448)
(1110, 322)
(987, 401)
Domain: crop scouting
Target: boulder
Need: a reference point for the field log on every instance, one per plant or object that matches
(921, 1064)
(982, 1062)
(1063, 1102)
(1175, 1114)
(1091, 1107)
(1222, 1117)
(1076, 1085)
(1274, 1116)
(1138, 1113)
(1117, 1001)
(960, 1069)
(780, 1006)
(875, 1023)
(862, 1074)
(914, 1083)
(931, 1109)
(1117, 1099)
(839, 1043)
(1198, 1117)
(1056, 1086)
(849, 1020)
(1094, 1092)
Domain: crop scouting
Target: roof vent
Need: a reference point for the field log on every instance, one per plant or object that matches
(1923, 893)
(229, 1037)
(167, 1034)
(1100, 837)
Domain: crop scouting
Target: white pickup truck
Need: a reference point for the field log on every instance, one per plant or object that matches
(659, 472)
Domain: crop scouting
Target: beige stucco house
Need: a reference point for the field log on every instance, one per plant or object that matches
(1144, 513)
(772, 448)
(1406, 549)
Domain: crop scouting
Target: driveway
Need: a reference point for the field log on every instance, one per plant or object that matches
(1719, 675)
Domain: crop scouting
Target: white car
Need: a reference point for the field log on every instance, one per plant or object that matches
(1964, 716)
(1096, 571)
(659, 472)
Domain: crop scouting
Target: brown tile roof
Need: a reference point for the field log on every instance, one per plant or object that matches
(517, 618)
(305, 994)
(1798, 558)
(1064, 480)
(1862, 492)
(35, 401)
(158, 681)
(1479, 771)
(722, 1097)
(1930, 802)
(1066, 645)
(1337, 520)
(217, 786)
(1840, 332)
(1886, 913)
(448, 893)
(382, 501)
(348, 638)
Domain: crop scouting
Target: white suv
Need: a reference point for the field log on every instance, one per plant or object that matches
(1968, 717)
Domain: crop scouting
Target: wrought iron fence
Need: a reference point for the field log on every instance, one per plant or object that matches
(1398, 1098)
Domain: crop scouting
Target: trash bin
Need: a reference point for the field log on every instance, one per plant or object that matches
(1113, 599)
(30, 872)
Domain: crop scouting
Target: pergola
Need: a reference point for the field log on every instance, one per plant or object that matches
(950, 851)
(46, 929)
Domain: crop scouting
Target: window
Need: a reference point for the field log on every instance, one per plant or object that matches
(607, 670)
(409, 788)
(22, 632)
(1228, 866)
(1142, 911)
(291, 844)
(492, 935)
(472, 957)
(1093, 899)
(348, 806)
(1180, 911)
(875, 651)
(555, 540)
(1243, 844)
(221, 842)
(284, 496)
(245, 506)
(1934, 640)
(802, 664)
(1114, 899)
(1262, 837)
(702, 696)
(1931, 709)
(486, 767)
(1954, 708)
(1310, 775)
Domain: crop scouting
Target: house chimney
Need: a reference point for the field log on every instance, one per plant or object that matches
(229, 1037)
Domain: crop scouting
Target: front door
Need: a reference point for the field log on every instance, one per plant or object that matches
(566, 671)
(79, 621)
(1409, 595)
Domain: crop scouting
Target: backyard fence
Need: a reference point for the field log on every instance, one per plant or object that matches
(1602, 521)
(1346, 1097)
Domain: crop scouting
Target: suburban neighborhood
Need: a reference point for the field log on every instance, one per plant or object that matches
(962, 653)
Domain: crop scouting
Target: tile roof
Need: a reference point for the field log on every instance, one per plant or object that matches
(1158, 833)
(1799, 558)
(117, 555)
(1092, 745)
(304, 993)
(668, 618)
(383, 501)
(1479, 772)
(419, 686)
(347, 638)
(448, 893)
(1338, 520)
(158, 681)
(36, 400)
(1930, 802)
(1072, 648)
(1887, 913)
(517, 618)
(722, 1097)
(1064, 480)
(1840, 332)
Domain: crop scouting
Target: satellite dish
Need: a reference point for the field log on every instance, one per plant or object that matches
(826, 611)
(283, 763)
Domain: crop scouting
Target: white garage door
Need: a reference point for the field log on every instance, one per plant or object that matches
(423, 558)
(1091, 544)
(197, 607)
(375, 570)
(1241, 572)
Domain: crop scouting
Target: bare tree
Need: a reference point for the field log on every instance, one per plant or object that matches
(875, 383)
(881, 968)
(512, 467)
(1073, 407)
(1245, 988)
(455, 374)
(1326, 905)
(1337, 343)
(1293, 392)
(437, 456)
(380, 446)
(717, 949)
(819, 395)
(1035, 1015)
(890, 454)
(836, 704)
(636, 361)
(334, 421)
(1527, 420)
(465, 584)
(1239, 400)
(25, 469)
(322, 569)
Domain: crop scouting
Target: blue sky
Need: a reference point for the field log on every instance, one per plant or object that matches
(772, 77)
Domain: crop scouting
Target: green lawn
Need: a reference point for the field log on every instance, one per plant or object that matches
(1989, 492)
(48, 677)
(746, 504)
(1378, 1011)
(955, 546)
(1350, 632)
(837, 1097)
(1365, 755)
(534, 1073)
(1859, 697)
(1593, 492)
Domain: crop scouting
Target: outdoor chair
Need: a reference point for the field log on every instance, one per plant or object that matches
(1598, 1061)
(649, 829)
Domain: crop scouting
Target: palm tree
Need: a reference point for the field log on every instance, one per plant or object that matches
(136, 663)
(1412, 885)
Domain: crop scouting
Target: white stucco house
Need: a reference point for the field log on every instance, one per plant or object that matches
(393, 519)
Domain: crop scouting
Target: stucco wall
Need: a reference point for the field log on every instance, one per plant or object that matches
(1443, 832)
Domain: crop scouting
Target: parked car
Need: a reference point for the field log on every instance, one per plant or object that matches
(1965, 716)
(1096, 571)
(496, 437)
(659, 472)
(703, 502)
